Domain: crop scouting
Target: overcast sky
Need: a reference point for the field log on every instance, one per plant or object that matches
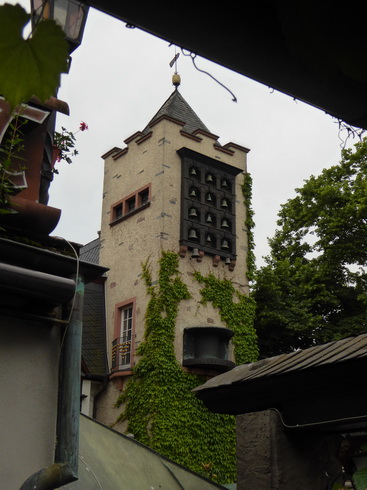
(118, 80)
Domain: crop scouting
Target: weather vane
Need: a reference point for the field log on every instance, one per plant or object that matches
(176, 79)
(174, 61)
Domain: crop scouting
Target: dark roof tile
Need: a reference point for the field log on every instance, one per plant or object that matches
(177, 108)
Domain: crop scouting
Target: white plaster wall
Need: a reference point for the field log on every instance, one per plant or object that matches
(29, 356)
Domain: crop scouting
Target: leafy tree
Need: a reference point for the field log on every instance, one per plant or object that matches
(313, 287)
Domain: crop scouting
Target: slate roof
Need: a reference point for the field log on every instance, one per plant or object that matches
(94, 323)
(177, 108)
(90, 251)
(94, 330)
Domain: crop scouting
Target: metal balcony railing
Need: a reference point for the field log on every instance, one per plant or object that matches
(121, 353)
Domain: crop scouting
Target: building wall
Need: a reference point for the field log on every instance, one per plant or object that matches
(143, 236)
(270, 457)
(29, 356)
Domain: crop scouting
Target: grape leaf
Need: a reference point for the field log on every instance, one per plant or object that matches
(29, 66)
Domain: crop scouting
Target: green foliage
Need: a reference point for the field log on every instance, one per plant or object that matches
(313, 288)
(11, 149)
(237, 311)
(161, 410)
(65, 142)
(249, 224)
(29, 66)
(360, 479)
(333, 208)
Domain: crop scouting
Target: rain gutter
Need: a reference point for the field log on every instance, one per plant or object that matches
(35, 285)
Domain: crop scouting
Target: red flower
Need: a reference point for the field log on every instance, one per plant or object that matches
(83, 126)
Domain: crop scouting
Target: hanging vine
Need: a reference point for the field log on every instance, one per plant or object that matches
(249, 224)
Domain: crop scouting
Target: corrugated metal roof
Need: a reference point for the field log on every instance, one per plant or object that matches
(337, 352)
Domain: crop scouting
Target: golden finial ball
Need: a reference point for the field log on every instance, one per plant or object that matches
(176, 79)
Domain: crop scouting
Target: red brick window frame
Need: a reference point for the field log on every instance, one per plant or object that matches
(123, 345)
(131, 204)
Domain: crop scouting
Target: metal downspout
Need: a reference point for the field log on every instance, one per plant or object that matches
(65, 468)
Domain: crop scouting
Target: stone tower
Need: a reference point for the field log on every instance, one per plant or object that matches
(172, 189)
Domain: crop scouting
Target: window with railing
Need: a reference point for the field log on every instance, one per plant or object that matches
(122, 346)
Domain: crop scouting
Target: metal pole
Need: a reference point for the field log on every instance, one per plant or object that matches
(67, 448)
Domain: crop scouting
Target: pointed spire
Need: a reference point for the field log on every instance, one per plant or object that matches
(176, 107)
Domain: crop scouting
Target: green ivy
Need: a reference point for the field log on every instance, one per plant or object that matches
(249, 224)
(161, 410)
(11, 149)
(237, 311)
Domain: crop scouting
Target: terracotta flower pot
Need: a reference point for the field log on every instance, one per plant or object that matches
(55, 155)
(31, 216)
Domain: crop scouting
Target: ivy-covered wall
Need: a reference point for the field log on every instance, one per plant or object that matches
(160, 407)
(158, 404)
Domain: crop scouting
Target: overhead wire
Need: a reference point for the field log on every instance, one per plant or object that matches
(193, 57)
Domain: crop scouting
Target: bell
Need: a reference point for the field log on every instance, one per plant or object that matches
(195, 253)
(193, 193)
(209, 218)
(224, 183)
(224, 203)
(192, 234)
(227, 261)
(193, 172)
(212, 242)
(225, 223)
(225, 244)
(193, 213)
(209, 178)
(208, 238)
(209, 197)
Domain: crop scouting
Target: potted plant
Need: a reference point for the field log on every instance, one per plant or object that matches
(64, 145)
